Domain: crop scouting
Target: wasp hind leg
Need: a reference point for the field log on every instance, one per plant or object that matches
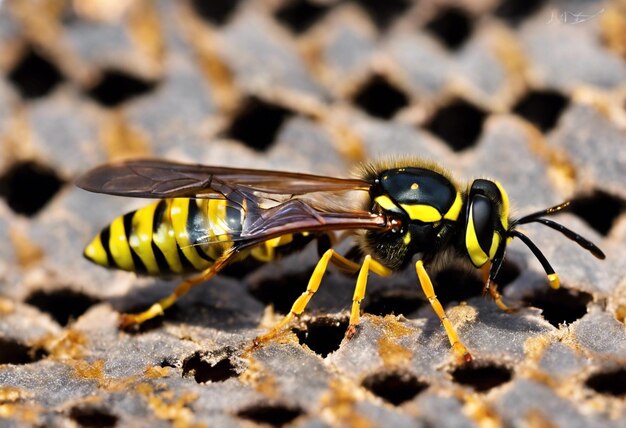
(158, 308)
(427, 286)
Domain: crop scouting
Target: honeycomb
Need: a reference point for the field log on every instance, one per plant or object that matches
(532, 93)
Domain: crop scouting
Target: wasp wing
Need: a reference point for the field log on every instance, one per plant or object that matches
(294, 216)
(163, 179)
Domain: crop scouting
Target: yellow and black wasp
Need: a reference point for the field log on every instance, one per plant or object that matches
(399, 212)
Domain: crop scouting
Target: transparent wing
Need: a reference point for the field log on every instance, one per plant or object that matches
(163, 179)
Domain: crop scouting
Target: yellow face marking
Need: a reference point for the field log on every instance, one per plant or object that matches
(424, 213)
(141, 238)
(385, 202)
(504, 216)
(118, 244)
(455, 210)
(96, 253)
(407, 239)
(476, 253)
(495, 242)
(179, 212)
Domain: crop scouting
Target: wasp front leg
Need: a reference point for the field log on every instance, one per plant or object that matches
(427, 286)
(492, 288)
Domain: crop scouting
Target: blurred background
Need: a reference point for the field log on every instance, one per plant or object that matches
(531, 92)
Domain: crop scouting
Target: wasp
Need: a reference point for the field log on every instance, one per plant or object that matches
(400, 213)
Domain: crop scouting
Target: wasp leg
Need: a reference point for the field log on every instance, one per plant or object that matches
(427, 286)
(359, 291)
(127, 320)
(300, 304)
(493, 289)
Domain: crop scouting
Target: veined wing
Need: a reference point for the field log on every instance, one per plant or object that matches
(147, 178)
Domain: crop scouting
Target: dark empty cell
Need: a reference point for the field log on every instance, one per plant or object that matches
(63, 305)
(459, 124)
(609, 383)
(599, 210)
(28, 187)
(13, 352)
(383, 13)
(34, 76)
(276, 415)
(300, 15)
(203, 371)
(393, 301)
(215, 11)
(395, 388)
(560, 305)
(116, 87)
(322, 335)
(516, 11)
(481, 378)
(542, 108)
(456, 285)
(281, 292)
(92, 417)
(381, 99)
(452, 26)
(257, 123)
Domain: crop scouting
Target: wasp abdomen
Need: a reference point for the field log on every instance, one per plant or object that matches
(168, 236)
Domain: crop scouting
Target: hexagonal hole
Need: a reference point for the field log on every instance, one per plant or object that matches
(116, 87)
(393, 301)
(452, 26)
(203, 371)
(14, 352)
(542, 108)
(380, 98)
(257, 123)
(216, 12)
(92, 417)
(34, 75)
(482, 378)
(300, 15)
(322, 335)
(561, 305)
(29, 186)
(515, 11)
(383, 13)
(459, 124)
(611, 382)
(63, 305)
(599, 210)
(394, 387)
(275, 415)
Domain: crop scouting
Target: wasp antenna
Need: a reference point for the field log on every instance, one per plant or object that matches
(552, 276)
(548, 211)
(580, 240)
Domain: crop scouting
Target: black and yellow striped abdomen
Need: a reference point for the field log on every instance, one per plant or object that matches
(168, 236)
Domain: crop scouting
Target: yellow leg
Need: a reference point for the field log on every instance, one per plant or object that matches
(300, 304)
(427, 286)
(127, 320)
(359, 294)
(493, 289)
(330, 256)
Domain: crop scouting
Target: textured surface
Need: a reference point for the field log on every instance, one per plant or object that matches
(530, 93)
